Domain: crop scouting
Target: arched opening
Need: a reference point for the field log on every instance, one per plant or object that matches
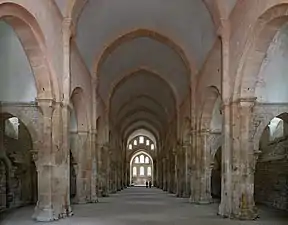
(73, 178)
(211, 128)
(18, 181)
(141, 169)
(271, 175)
(216, 176)
(4, 187)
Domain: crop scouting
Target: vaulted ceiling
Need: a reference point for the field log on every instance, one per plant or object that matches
(144, 53)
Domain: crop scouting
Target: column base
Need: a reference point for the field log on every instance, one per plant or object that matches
(82, 201)
(201, 201)
(68, 213)
(191, 200)
(205, 200)
(94, 199)
(247, 214)
(44, 215)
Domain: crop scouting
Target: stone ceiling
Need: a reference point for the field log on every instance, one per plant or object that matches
(143, 54)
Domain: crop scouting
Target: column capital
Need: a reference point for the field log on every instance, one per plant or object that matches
(247, 102)
(93, 131)
(47, 106)
(67, 104)
(68, 26)
(82, 132)
(203, 132)
(34, 155)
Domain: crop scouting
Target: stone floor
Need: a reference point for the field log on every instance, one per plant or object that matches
(136, 206)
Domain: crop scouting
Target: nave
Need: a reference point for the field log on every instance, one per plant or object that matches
(140, 205)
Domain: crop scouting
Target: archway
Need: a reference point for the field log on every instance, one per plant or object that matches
(19, 181)
(216, 175)
(73, 178)
(4, 187)
(271, 174)
(211, 136)
(79, 149)
(141, 169)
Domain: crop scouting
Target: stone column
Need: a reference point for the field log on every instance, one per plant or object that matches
(98, 166)
(94, 169)
(105, 170)
(171, 173)
(194, 159)
(165, 188)
(226, 159)
(244, 161)
(178, 171)
(205, 168)
(45, 162)
(227, 90)
(187, 187)
(83, 175)
(63, 157)
(197, 165)
(160, 171)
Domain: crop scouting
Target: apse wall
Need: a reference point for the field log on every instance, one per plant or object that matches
(17, 82)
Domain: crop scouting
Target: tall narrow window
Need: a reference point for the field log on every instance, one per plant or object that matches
(134, 171)
(141, 158)
(130, 147)
(276, 128)
(149, 172)
(152, 147)
(146, 160)
(136, 160)
(147, 142)
(135, 142)
(141, 139)
(142, 172)
(11, 127)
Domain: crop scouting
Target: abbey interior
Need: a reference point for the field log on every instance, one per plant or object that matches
(100, 98)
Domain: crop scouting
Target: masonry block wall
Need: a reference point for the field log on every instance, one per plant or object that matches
(271, 177)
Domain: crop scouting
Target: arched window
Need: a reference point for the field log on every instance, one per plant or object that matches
(135, 142)
(147, 142)
(136, 159)
(146, 160)
(130, 147)
(152, 147)
(134, 171)
(141, 139)
(11, 127)
(149, 172)
(142, 171)
(141, 158)
(276, 128)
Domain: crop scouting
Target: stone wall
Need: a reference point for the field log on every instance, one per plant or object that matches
(19, 179)
(271, 177)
